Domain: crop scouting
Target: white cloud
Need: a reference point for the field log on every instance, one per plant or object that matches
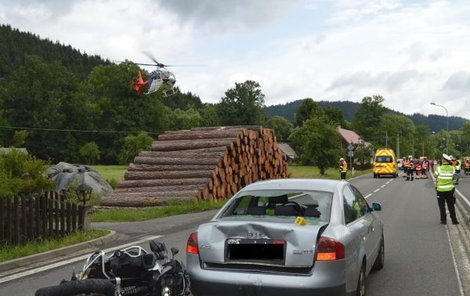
(410, 52)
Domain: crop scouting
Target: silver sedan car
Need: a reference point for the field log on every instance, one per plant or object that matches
(288, 237)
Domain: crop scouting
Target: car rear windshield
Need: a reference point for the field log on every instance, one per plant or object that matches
(387, 159)
(313, 205)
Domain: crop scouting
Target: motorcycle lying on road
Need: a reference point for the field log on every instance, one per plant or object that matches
(131, 271)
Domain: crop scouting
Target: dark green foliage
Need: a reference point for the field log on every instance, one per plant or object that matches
(307, 109)
(335, 116)
(185, 119)
(349, 109)
(20, 172)
(133, 145)
(368, 117)
(89, 153)
(242, 105)
(209, 115)
(182, 101)
(19, 138)
(15, 45)
(316, 142)
(281, 126)
(286, 110)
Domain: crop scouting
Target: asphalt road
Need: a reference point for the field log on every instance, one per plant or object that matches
(418, 256)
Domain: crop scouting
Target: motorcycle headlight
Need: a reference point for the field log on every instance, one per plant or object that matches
(166, 291)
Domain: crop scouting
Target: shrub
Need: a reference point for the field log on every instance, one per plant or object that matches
(89, 153)
(21, 172)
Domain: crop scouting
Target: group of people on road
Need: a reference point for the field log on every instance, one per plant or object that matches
(445, 174)
(420, 166)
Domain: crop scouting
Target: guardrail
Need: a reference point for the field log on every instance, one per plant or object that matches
(463, 204)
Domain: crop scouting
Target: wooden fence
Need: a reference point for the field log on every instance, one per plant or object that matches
(27, 217)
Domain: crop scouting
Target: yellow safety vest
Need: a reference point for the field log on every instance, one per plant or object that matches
(445, 178)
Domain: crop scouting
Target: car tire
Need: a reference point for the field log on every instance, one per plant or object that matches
(84, 287)
(380, 260)
(361, 282)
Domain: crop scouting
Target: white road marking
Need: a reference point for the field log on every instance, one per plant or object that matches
(72, 260)
(463, 198)
(378, 189)
(455, 262)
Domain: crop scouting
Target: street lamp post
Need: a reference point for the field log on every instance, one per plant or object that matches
(447, 125)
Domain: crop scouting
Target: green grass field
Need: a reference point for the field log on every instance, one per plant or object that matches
(109, 172)
(296, 171)
(116, 172)
(11, 252)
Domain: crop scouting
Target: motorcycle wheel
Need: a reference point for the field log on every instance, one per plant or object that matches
(96, 287)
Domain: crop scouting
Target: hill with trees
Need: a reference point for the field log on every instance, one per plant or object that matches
(349, 109)
(16, 45)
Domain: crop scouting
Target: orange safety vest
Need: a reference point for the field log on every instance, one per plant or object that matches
(418, 166)
(343, 166)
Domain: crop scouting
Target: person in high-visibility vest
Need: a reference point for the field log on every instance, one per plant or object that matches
(466, 166)
(343, 168)
(458, 167)
(445, 189)
(410, 166)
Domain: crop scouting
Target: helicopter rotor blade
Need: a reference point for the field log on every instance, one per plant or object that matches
(158, 64)
(150, 56)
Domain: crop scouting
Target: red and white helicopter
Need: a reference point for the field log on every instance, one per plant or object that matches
(158, 79)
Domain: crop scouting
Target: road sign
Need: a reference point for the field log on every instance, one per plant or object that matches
(350, 147)
(350, 153)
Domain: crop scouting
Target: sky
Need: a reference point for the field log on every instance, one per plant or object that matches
(411, 52)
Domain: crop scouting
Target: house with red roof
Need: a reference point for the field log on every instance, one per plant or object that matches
(350, 137)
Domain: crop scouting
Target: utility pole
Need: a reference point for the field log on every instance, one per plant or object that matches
(398, 146)
(386, 139)
(447, 124)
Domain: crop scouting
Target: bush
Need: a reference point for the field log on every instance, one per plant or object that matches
(89, 153)
(21, 172)
(133, 145)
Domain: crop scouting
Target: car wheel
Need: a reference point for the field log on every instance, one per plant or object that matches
(361, 282)
(380, 260)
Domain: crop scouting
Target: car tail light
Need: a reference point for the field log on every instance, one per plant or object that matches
(192, 247)
(329, 249)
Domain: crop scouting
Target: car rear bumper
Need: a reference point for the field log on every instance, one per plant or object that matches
(325, 280)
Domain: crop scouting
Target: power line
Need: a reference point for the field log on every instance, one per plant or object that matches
(72, 130)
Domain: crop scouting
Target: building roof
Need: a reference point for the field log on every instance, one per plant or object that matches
(4, 151)
(351, 137)
(287, 150)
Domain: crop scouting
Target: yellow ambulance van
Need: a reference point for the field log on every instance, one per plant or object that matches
(385, 163)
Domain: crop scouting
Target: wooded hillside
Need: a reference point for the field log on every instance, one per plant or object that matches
(14, 45)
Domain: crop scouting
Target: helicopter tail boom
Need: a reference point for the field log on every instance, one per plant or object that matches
(139, 84)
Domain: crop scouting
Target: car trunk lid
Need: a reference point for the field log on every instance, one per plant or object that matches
(258, 243)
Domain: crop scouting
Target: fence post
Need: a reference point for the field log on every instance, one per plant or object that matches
(44, 215)
(17, 221)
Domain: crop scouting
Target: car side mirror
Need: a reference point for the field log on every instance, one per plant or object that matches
(376, 206)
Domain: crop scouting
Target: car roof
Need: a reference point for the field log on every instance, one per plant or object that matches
(295, 184)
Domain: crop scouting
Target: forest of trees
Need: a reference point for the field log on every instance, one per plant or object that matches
(66, 106)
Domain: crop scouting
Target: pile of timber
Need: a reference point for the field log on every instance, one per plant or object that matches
(201, 163)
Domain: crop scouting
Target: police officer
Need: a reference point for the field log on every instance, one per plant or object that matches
(445, 189)
(343, 168)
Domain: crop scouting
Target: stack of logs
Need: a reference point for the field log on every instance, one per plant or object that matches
(201, 163)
